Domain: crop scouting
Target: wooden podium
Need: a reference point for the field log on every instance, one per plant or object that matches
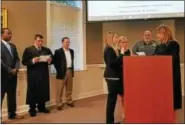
(148, 89)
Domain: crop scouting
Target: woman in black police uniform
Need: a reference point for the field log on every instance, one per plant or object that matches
(113, 73)
(169, 46)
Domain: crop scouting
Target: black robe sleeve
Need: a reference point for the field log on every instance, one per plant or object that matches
(51, 55)
(173, 50)
(27, 58)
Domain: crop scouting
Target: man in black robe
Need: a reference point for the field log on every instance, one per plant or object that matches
(38, 90)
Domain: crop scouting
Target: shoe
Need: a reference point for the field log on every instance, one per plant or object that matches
(33, 113)
(44, 110)
(70, 104)
(15, 117)
(60, 107)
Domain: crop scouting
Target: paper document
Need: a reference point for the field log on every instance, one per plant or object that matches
(141, 53)
(44, 58)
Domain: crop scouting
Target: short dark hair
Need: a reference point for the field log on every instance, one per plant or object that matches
(64, 38)
(3, 30)
(38, 36)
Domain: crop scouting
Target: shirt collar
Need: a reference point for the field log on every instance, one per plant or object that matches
(65, 49)
(37, 47)
(6, 43)
(150, 42)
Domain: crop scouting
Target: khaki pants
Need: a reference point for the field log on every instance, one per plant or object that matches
(67, 83)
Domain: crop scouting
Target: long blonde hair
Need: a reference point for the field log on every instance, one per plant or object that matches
(164, 29)
(109, 42)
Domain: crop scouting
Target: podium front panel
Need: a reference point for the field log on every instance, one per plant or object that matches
(148, 89)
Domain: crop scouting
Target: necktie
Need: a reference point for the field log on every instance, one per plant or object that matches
(9, 49)
(39, 49)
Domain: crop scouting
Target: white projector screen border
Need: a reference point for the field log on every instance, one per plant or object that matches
(133, 17)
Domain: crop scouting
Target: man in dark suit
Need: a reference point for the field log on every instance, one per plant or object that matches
(38, 90)
(64, 64)
(10, 64)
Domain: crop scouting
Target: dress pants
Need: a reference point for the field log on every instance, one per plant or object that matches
(67, 82)
(9, 87)
(113, 91)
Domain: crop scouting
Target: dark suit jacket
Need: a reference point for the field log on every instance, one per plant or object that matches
(113, 63)
(60, 63)
(8, 62)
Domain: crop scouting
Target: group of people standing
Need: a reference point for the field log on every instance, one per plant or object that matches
(115, 50)
(38, 87)
(38, 90)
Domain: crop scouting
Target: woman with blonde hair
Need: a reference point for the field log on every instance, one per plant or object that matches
(169, 46)
(123, 49)
(113, 73)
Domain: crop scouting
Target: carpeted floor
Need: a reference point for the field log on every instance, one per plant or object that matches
(90, 110)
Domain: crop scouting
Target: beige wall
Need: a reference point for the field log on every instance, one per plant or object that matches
(179, 24)
(94, 43)
(25, 18)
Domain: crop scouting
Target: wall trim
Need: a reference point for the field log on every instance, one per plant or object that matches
(24, 108)
(96, 65)
(88, 94)
(90, 65)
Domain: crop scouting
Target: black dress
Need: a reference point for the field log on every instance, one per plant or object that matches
(172, 48)
(121, 89)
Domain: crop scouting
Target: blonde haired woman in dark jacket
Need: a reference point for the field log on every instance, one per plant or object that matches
(113, 73)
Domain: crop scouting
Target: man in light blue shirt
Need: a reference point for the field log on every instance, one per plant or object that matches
(8, 46)
(10, 64)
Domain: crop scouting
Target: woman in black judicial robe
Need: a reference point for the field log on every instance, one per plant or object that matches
(38, 90)
(171, 47)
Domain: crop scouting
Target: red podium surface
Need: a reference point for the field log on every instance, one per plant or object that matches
(148, 89)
